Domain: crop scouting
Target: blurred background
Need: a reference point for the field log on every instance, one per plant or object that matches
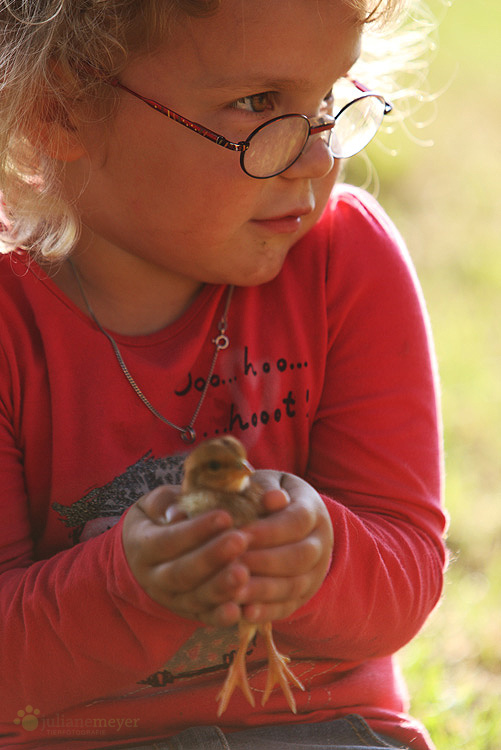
(446, 200)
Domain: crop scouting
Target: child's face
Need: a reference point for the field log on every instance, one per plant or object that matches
(156, 190)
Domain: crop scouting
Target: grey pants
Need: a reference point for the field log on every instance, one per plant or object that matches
(349, 733)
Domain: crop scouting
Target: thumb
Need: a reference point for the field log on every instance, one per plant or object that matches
(160, 504)
(275, 496)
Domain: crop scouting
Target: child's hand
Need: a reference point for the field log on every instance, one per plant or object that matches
(191, 567)
(289, 551)
(201, 568)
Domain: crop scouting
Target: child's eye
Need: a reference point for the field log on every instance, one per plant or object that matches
(255, 103)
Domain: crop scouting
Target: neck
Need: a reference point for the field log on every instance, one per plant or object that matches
(220, 342)
(127, 301)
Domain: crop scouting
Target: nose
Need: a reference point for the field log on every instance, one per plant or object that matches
(316, 159)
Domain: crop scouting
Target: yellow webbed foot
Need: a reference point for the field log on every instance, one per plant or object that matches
(278, 671)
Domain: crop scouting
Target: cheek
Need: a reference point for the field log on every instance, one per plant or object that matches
(327, 184)
(191, 172)
(192, 204)
(322, 188)
(215, 194)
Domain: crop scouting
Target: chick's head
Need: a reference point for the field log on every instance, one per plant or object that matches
(219, 464)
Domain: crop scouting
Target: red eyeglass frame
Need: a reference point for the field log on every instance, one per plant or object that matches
(316, 125)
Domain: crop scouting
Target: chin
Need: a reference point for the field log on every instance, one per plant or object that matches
(266, 271)
(259, 278)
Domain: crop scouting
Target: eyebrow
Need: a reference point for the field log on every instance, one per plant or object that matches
(260, 82)
(265, 83)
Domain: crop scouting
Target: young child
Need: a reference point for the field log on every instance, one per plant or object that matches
(179, 265)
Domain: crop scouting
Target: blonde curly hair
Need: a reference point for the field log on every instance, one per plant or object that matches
(49, 52)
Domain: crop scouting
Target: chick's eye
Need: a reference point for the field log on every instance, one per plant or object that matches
(214, 465)
(255, 103)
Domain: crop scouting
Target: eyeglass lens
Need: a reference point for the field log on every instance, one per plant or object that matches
(276, 145)
(356, 125)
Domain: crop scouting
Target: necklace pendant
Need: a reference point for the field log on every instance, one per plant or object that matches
(221, 342)
(188, 435)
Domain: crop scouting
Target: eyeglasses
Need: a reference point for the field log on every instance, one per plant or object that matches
(275, 145)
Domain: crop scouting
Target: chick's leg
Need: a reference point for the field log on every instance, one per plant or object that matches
(237, 673)
(278, 671)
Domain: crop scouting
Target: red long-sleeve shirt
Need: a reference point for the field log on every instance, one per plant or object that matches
(329, 375)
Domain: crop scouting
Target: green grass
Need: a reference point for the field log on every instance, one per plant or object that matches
(445, 200)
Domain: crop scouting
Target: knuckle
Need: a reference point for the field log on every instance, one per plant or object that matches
(228, 546)
(174, 579)
(312, 550)
(303, 518)
(299, 587)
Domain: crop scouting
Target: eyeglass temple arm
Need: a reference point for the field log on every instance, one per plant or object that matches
(388, 106)
(220, 140)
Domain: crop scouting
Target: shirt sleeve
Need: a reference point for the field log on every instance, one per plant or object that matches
(79, 616)
(376, 451)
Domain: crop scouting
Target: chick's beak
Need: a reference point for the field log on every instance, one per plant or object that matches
(241, 476)
(247, 469)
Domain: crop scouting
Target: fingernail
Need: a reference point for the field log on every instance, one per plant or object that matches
(246, 537)
(236, 543)
(222, 521)
(173, 513)
(242, 594)
(253, 613)
(232, 579)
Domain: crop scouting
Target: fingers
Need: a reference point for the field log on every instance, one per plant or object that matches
(266, 590)
(159, 540)
(214, 600)
(275, 497)
(275, 598)
(290, 559)
(224, 616)
(290, 525)
(204, 568)
(158, 502)
(274, 500)
(261, 613)
(270, 597)
(188, 566)
(189, 571)
(288, 555)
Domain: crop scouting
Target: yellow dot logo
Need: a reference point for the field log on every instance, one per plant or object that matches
(28, 718)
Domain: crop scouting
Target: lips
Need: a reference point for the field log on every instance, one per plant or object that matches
(286, 223)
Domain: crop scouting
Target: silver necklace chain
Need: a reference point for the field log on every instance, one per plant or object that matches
(221, 341)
